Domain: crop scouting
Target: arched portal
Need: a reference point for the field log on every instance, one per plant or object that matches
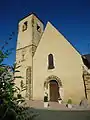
(53, 87)
(54, 90)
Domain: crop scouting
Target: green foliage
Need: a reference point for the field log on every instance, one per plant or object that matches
(7, 86)
(9, 103)
(69, 101)
(3, 55)
(27, 114)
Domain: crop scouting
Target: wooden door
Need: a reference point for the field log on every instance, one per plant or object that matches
(54, 91)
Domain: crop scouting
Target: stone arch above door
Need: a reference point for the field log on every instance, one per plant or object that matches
(52, 77)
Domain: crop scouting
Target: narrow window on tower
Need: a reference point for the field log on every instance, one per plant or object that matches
(50, 62)
(24, 27)
(38, 28)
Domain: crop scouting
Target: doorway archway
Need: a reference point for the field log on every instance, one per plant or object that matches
(54, 90)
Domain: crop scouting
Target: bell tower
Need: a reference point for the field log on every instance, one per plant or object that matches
(30, 30)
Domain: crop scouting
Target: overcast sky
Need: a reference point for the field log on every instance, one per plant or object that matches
(70, 17)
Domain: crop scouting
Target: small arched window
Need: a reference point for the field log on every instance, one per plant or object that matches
(50, 62)
(24, 27)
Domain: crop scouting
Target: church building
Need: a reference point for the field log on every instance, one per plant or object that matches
(49, 63)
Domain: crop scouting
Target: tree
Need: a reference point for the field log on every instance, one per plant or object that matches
(9, 103)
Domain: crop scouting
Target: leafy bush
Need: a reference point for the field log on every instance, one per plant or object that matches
(69, 101)
(9, 103)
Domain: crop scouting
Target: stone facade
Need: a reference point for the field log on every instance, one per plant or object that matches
(86, 78)
(34, 48)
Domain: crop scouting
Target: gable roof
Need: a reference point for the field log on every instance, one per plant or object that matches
(49, 23)
(51, 33)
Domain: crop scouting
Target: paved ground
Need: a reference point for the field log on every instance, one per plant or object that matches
(53, 106)
(62, 115)
(58, 112)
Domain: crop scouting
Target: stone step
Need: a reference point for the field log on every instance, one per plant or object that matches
(52, 105)
(40, 104)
